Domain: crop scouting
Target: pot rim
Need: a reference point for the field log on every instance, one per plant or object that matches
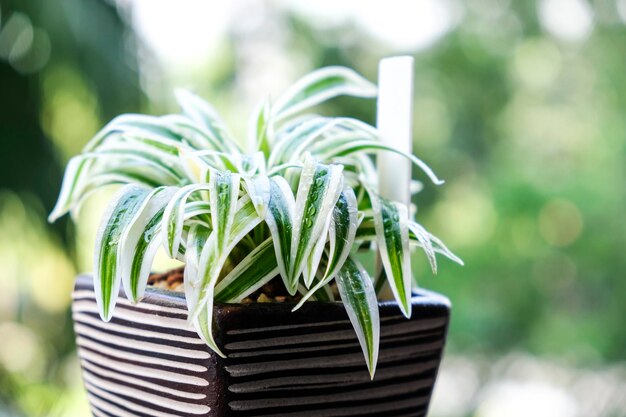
(420, 297)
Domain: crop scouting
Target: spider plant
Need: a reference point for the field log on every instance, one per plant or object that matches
(296, 207)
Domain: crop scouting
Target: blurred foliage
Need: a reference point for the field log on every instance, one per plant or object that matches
(527, 128)
(51, 101)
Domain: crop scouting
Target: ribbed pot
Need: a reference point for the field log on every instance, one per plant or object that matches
(148, 362)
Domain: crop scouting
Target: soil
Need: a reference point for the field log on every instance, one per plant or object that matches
(272, 292)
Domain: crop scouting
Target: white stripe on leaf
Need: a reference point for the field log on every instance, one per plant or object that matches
(319, 86)
(279, 219)
(118, 216)
(359, 298)
(141, 241)
(318, 191)
(392, 238)
(173, 218)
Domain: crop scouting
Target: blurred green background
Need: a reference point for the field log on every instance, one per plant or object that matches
(520, 106)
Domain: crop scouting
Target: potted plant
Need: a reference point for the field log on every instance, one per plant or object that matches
(274, 315)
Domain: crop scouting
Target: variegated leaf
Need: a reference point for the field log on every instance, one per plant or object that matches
(223, 193)
(245, 219)
(117, 218)
(367, 232)
(259, 129)
(359, 298)
(370, 146)
(286, 139)
(423, 237)
(140, 242)
(197, 239)
(204, 325)
(254, 271)
(200, 281)
(173, 218)
(136, 124)
(258, 188)
(341, 236)
(342, 231)
(214, 253)
(279, 218)
(319, 86)
(70, 188)
(318, 191)
(201, 112)
(195, 166)
(392, 237)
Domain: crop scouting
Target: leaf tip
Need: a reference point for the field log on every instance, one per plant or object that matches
(406, 308)
(371, 367)
(218, 352)
(135, 299)
(106, 313)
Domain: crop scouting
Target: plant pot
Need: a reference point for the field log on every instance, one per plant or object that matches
(148, 362)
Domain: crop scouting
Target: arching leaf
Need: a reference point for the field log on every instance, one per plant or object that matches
(319, 86)
(118, 217)
(359, 298)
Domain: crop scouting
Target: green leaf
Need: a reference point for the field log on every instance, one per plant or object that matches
(423, 238)
(301, 139)
(221, 161)
(140, 242)
(200, 209)
(392, 237)
(342, 231)
(258, 188)
(334, 132)
(204, 326)
(223, 193)
(312, 264)
(367, 232)
(174, 215)
(259, 129)
(70, 187)
(288, 138)
(214, 254)
(196, 167)
(253, 164)
(245, 219)
(136, 124)
(254, 271)
(191, 133)
(198, 110)
(359, 298)
(370, 146)
(341, 236)
(83, 177)
(430, 243)
(319, 86)
(118, 217)
(197, 239)
(318, 191)
(124, 153)
(168, 148)
(279, 218)
(200, 281)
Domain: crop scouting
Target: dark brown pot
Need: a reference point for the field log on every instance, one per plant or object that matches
(148, 362)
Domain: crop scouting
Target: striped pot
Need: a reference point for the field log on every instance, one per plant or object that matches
(148, 362)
